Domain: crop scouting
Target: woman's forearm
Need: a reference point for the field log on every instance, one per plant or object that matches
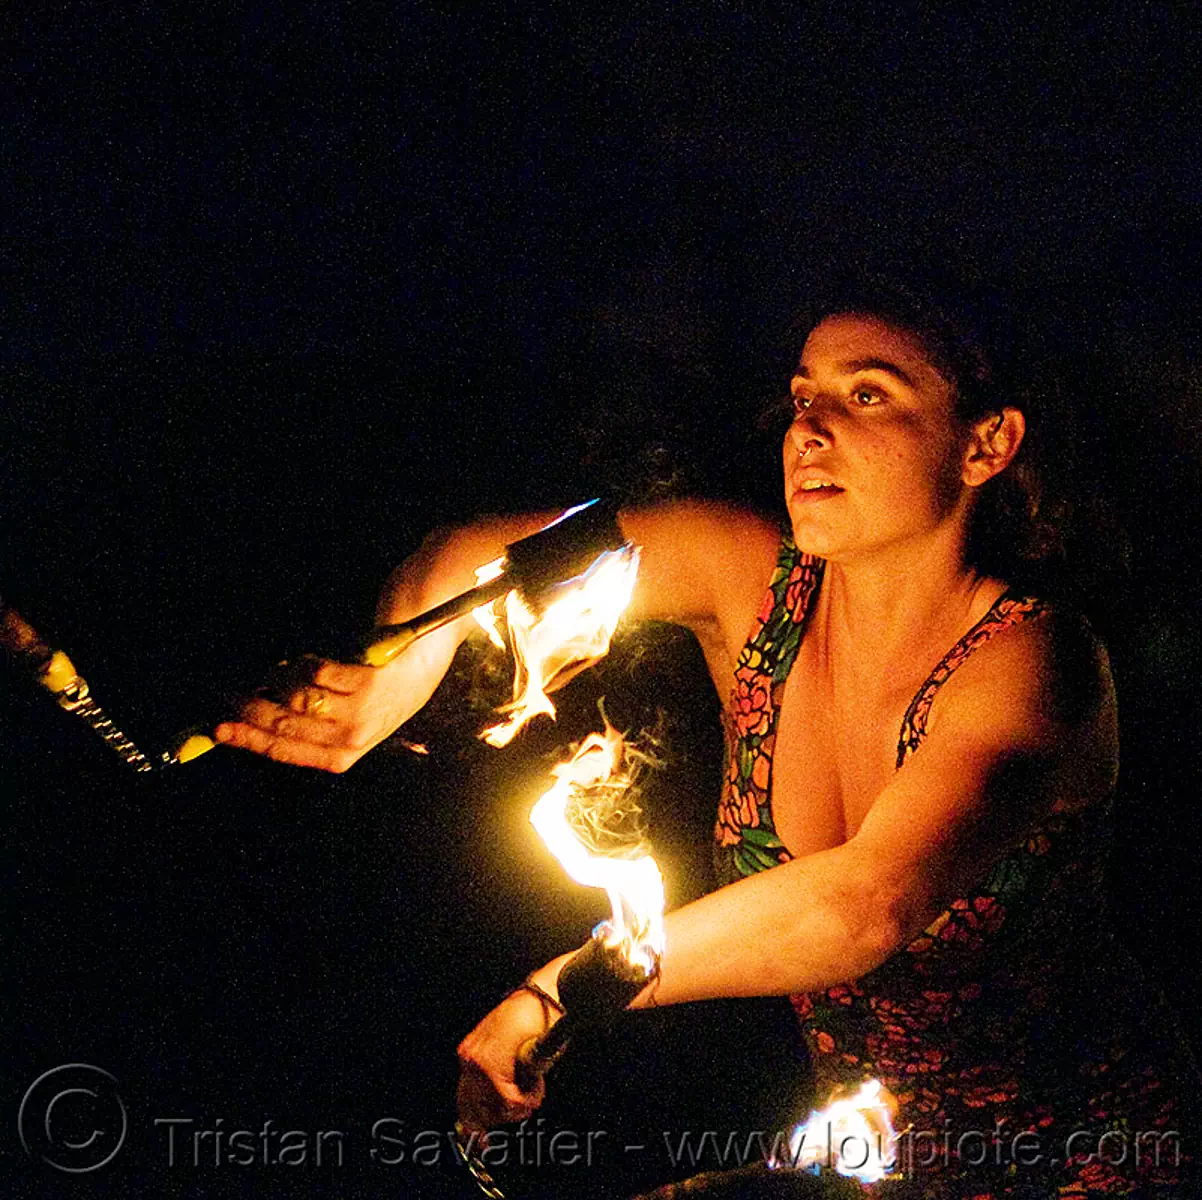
(446, 562)
(805, 925)
(443, 566)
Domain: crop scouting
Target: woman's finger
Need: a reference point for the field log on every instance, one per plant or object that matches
(289, 720)
(346, 678)
(286, 722)
(313, 701)
(284, 749)
(264, 712)
(483, 1104)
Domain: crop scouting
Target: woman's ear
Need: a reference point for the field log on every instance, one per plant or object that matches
(992, 446)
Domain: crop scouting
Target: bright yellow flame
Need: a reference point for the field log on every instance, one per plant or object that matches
(854, 1136)
(567, 634)
(571, 630)
(491, 571)
(486, 615)
(634, 883)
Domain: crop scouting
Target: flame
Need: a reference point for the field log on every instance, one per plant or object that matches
(589, 803)
(586, 818)
(486, 615)
(853, 1135)
(567, 634)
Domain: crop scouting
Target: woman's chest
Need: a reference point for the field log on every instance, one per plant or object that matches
(835, 751)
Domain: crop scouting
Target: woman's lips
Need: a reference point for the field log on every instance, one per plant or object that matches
(812, 490)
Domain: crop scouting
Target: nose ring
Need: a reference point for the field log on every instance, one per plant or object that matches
(806, 452)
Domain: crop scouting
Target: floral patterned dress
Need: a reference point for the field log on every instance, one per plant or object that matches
(1014, 1012)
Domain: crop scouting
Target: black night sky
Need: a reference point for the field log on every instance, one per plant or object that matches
(289, 285)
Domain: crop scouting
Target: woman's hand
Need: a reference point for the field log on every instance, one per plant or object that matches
(489, 1089)
(333, 713)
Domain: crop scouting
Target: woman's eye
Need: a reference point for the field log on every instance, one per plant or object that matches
(865, 397)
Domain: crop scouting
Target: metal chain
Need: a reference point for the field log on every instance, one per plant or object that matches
(484, 1181)
(54, 671)
(75, 698)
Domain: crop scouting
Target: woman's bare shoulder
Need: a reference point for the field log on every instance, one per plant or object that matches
(702, 561)
(701, 518)
(1052, 655)
(1044, 684)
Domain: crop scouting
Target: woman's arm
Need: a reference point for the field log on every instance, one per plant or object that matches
(361, 706)
(1026, 724)
(702, 565)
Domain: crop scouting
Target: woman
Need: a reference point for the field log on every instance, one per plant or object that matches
(912, 829)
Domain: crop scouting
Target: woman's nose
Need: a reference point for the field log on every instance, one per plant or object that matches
(808, 429)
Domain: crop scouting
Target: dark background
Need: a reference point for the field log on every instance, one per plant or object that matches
(292, 284)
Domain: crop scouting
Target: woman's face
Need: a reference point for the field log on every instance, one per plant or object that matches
(875, 454)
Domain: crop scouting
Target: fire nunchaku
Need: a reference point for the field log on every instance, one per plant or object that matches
(594, 985)
(532, 566)
(602, 978)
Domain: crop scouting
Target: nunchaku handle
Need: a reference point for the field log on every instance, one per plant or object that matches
(49, 668)
(387, 641)
(537, 1055)
(594, 985)
(188, 746)
(534, 564)
(26, 647)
